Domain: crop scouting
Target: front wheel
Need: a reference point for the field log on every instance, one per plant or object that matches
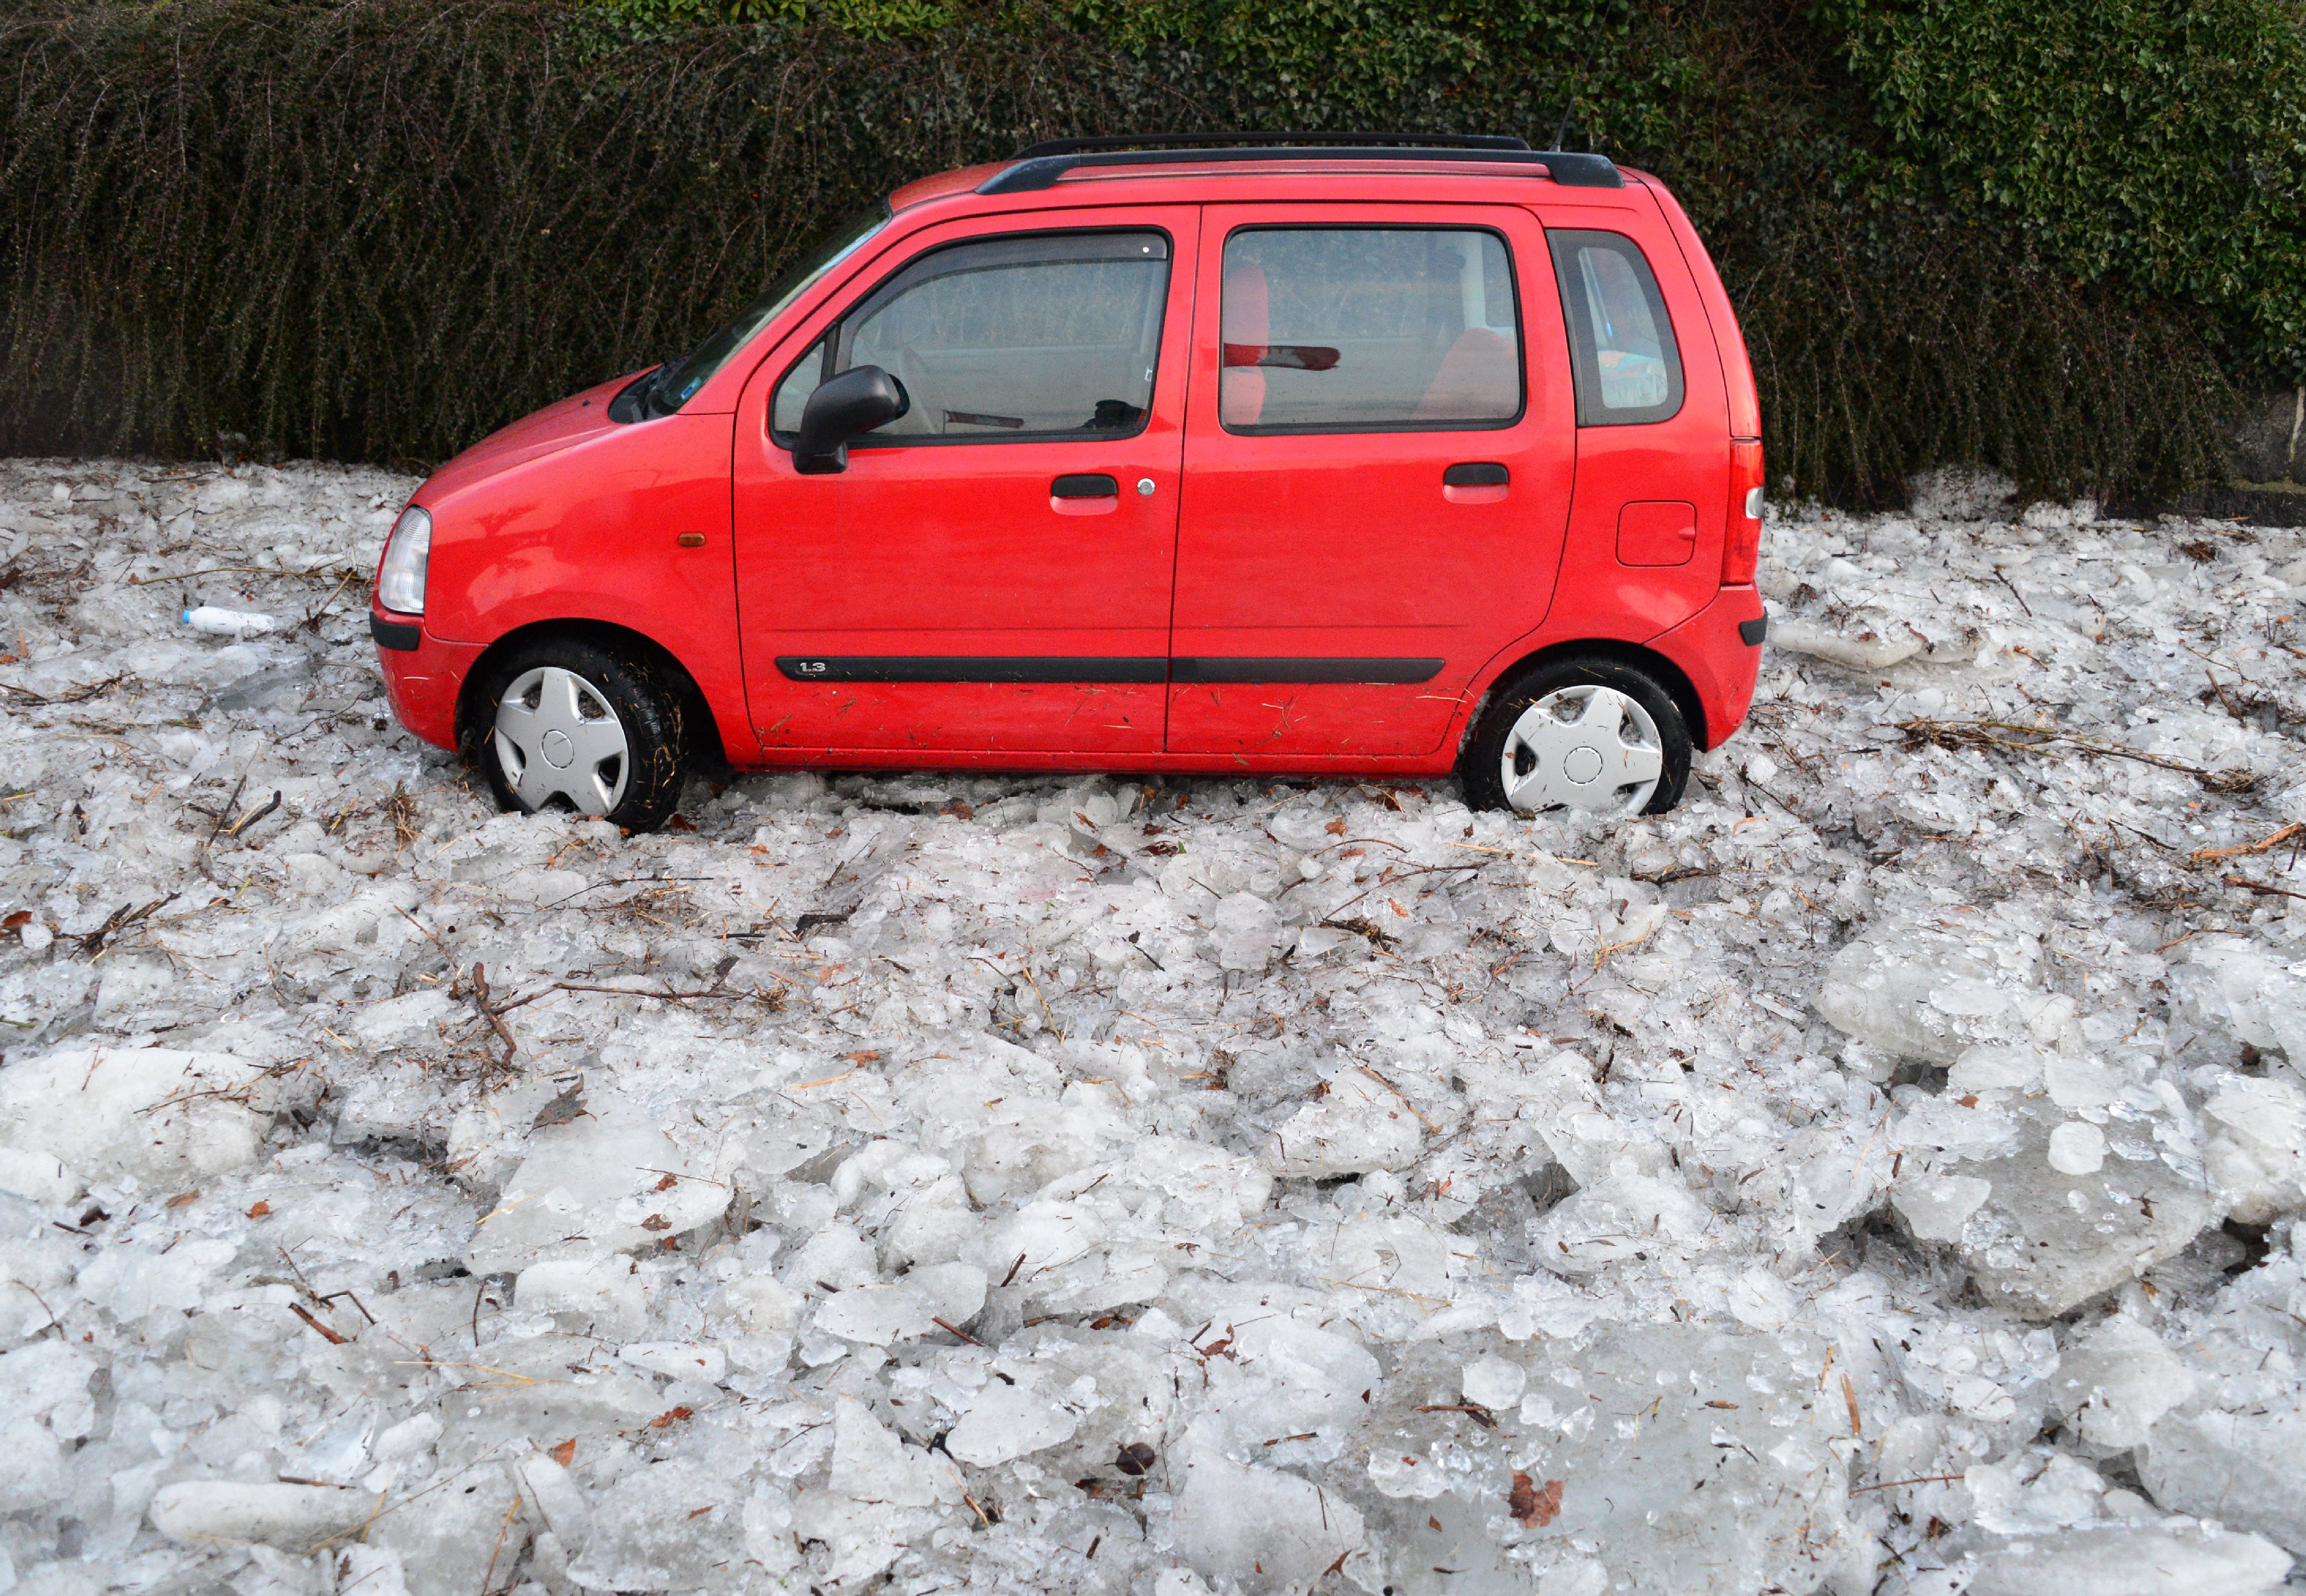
(1584, 733)
(568, 724)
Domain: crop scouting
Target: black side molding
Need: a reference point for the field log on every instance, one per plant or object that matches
(1754, 631)
(966, 668)
(1244, 671)
(1477, 473)
(1221, 669)
(394, 633)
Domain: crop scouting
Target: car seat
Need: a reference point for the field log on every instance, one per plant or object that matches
(1246, 324)
(1476, 381)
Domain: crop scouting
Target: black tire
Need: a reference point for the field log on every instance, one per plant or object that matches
(1479, 766)
(648, 707)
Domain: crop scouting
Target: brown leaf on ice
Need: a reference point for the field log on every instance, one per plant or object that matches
(259, 1210)
(563, 1109)
(656, 1222)
(182, 1197)
(1134, 1458)
(1534, 1509)
(666, 1185)
(672, 1416)
(20, 918)
(564, 1453)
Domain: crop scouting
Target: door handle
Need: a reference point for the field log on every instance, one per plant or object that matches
(1475, 481)
(1085, 494)
(1477, 473)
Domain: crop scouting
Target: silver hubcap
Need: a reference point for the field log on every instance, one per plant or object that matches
(1590, 748)
(557, 736)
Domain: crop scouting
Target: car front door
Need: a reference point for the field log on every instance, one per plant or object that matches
(1378, 463)
(992, 572)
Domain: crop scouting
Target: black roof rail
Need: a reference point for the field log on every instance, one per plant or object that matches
(1220, 140)
(1037, 167)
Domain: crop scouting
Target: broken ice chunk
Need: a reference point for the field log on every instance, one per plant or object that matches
(2233, 1460)
(2045, 1237)
(1927, 995)
(1247, 933)
(1584, 1138)
(1263, 1529)
(293, 1517)
(2264, 1000)
(2258, 1159)
(2077, 1148)
(1996, 1067)
(2122, 1560)
(605, 1182)
(1686, 1462)
(677, 1359)
(1358, 1125)
(446, 1538)
(1866, 651)
(1936, 1206)
(2116, 1379)
(908, 1307)
(882, 1494)
(1494, 1382)
(1007, 1422)
(142, 1115)
(2077, 1081)
(673, 1524)
(601, 1295)
(1626, 1219)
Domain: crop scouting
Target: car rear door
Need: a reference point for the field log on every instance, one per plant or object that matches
(992, 573)
(1378, 452)
(1653, 496)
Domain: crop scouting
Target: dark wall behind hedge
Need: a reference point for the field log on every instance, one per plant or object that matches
(379, 230)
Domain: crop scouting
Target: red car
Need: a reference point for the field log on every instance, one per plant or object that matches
(1374, 458)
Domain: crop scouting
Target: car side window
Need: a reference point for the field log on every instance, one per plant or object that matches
(1024, 338)
(1628, 369)
(1368, 329)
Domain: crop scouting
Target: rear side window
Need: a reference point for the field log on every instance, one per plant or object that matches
(1006, 340)
(1368, 329)
(1628, 369)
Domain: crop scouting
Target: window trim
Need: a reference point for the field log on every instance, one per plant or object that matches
(827, 343)
(1584, 356)
(1368, 429)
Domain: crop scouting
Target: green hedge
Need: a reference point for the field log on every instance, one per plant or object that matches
(2162, 140)
(379, 229)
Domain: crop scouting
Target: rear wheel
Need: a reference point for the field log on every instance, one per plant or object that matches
(568, 724)
(1584, 733)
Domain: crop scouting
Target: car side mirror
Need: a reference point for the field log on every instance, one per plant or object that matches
(843, 407)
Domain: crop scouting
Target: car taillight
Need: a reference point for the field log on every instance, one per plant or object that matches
(1742, 550)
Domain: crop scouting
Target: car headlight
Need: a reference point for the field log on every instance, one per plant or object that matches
(400, 581)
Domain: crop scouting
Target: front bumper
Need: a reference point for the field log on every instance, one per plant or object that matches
(1719, 650)
(423, 675)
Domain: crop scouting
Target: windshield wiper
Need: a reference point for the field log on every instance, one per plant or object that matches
(638, 400)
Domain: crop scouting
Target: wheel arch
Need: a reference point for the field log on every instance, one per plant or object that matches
(701, 742)
(1669, 676)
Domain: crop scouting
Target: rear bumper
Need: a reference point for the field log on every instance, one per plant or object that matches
(423, 675)
(1719, 650)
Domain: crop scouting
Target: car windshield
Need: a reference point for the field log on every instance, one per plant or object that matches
(679, 380)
